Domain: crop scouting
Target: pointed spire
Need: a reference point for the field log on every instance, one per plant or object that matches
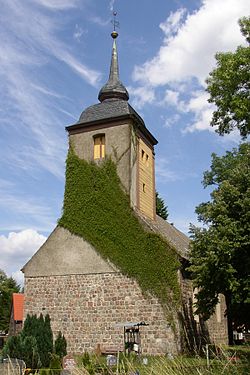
(113, 89)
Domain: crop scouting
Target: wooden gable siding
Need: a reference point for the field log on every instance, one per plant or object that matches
(146, 184)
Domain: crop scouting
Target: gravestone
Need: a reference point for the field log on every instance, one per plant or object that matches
(69, 364)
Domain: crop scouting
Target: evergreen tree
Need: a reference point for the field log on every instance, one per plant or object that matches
(47, 341)
(40, 330)
(13, 347)
(161, 208)
(30, 354)
(60, 345)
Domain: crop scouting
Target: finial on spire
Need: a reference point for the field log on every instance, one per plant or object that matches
(113, 89)
(115, 23)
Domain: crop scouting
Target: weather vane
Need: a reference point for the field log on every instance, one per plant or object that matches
(114, 22)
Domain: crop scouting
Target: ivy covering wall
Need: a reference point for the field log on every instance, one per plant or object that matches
(97, 209)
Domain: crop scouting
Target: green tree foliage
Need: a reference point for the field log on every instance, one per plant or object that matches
(161, 208)
(220, 251)
(34, 344)
(97, 209)
(60, 345)
(229, 87)
(13, 347)
(8, 286)
(29, 352)
(40, 329)
(45, 340)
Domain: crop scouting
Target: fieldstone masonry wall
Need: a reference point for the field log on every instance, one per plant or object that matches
(216, 325)
(87, 307)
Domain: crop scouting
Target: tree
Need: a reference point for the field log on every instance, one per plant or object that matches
(161, 208)
(8, 286)
(220, 251)
(40, 329)
(34, 344)
(60, 345)
(229, 87)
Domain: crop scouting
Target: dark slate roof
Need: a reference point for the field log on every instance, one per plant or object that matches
(175, 237)
(106, 110)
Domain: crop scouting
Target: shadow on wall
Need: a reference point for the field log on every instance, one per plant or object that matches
(195, 334)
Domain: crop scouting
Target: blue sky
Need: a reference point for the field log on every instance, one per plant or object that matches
(55, 56)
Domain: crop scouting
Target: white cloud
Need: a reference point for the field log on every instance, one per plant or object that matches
(100, 21)
(79, 32)
(190, 52)
(34, 30)
(163, 172)
(173, 22)
(170, 121)
(29, 212)
(197, 104)
(201, 109)
(19, 277)
(171, 97)
(141, 95)
(28, 42)
(46, 91)
(186, 57)
(17, 248)
(58, 4)
(111, 5)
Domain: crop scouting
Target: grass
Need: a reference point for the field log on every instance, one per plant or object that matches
(223, 364)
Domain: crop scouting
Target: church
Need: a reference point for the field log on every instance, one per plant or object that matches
(112, 262)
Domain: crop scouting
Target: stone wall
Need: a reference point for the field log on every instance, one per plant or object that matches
(217, 324)
(86, 309)
(214, 330)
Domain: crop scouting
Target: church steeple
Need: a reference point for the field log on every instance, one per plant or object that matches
(113, 89)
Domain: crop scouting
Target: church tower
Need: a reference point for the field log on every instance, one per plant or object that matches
(114, 129)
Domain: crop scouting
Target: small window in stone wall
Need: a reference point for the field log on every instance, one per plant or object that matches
(99, 146)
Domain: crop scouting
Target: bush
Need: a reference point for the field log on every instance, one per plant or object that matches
(34, 345)
(29, 352)
(60, 345)
(12, 347)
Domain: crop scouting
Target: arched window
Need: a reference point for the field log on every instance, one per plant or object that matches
(99, 146)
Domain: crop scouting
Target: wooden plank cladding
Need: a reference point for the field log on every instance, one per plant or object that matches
(146, 180)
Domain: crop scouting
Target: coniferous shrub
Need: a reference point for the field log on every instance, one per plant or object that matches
(30, 354)
(44, 337)
(34, 344)
(60, 345)
(12, 347)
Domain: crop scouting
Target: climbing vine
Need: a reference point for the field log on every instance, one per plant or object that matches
(97, 209)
